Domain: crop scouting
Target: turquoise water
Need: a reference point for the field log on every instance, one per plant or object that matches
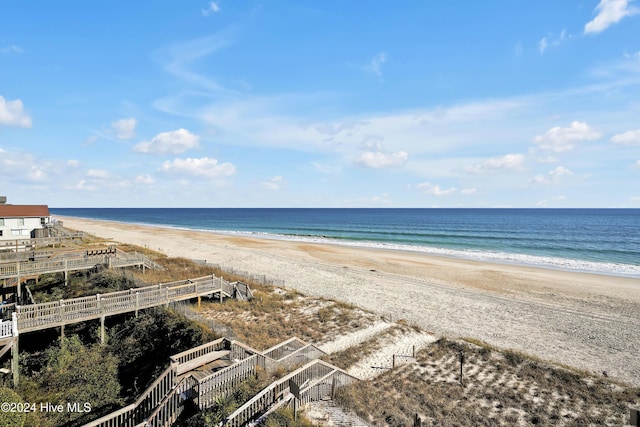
(594, 240)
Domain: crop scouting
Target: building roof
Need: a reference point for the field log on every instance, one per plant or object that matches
(9, 211)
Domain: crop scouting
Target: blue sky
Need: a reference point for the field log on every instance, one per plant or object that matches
(294, 103)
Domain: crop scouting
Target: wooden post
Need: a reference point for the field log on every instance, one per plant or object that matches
(62, 319)
(18, 290)
(15, 351)
(394, 360)
(137, 303)
(461, 363)
(414, 351)
(102, 332)
(66, 273)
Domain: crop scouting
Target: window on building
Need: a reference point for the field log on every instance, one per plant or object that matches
(1, 222)
(0, 233)
(20, 221)
(15, 232)
(43, 221)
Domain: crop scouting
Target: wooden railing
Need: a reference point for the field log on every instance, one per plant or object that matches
(6, 329)
(163, 401)
(25, 268)
(39, 241)
(171, 407)
(226, 380)
(280, 350)
(52, 314)
(309, 377)
(136, 412)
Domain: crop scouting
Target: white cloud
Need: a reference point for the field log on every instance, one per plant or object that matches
(173, 142)
(275, 183)
(637, 165)
(551, 40)
(375, 65)
(609, 12)
(326, 169)
(468, 191)
(435, 190)
(11, 49)
(12, 114)
(559, 139)
(144, 179)
(631, 137)
(508, 162)
(73, 163)
(518, 50)
(97, 174)
(212, 7)
(124, 128)
(204, 167)
(377, 200)
(542, 45)
(379, 160)
(552, 177)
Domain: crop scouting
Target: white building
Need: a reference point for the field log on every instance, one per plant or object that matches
(22, 221)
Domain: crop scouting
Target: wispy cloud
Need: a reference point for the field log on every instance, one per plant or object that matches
(542, 45)
(631, 137)
(375, 64)
(124, 128)
(380, 160)
(274, 184)
(211, 8)
(609, 12)
(12, 114)
(552, 40)
(11, 49)
(510, 162)
(172, 142)
(435, 190)
(204, 167)
(558, 139)
(552, 177)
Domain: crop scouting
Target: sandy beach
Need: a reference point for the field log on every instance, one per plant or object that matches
(586, 321)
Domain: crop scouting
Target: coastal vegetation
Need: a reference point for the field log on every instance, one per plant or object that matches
(498, 387)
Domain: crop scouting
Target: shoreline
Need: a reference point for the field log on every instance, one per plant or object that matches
(502, 258)
(585, 320)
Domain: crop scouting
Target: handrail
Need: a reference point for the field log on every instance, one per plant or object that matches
(277, 390)
(81, 262)
(51, 314)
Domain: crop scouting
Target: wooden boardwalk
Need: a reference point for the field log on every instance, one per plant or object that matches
(84, 260)
(34, 317)
(163, 402)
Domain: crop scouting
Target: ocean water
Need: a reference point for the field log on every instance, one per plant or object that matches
(591, 240)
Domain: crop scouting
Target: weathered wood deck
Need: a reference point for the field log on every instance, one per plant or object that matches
(164, 400)
(33, 317)
(10, 270)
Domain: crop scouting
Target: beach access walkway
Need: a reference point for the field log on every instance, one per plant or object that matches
(199, 376)
(35, 317)
(69, 261)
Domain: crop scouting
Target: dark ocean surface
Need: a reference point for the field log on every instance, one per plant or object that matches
(593, 240)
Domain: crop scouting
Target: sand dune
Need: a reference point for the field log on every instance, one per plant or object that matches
(584, 320)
